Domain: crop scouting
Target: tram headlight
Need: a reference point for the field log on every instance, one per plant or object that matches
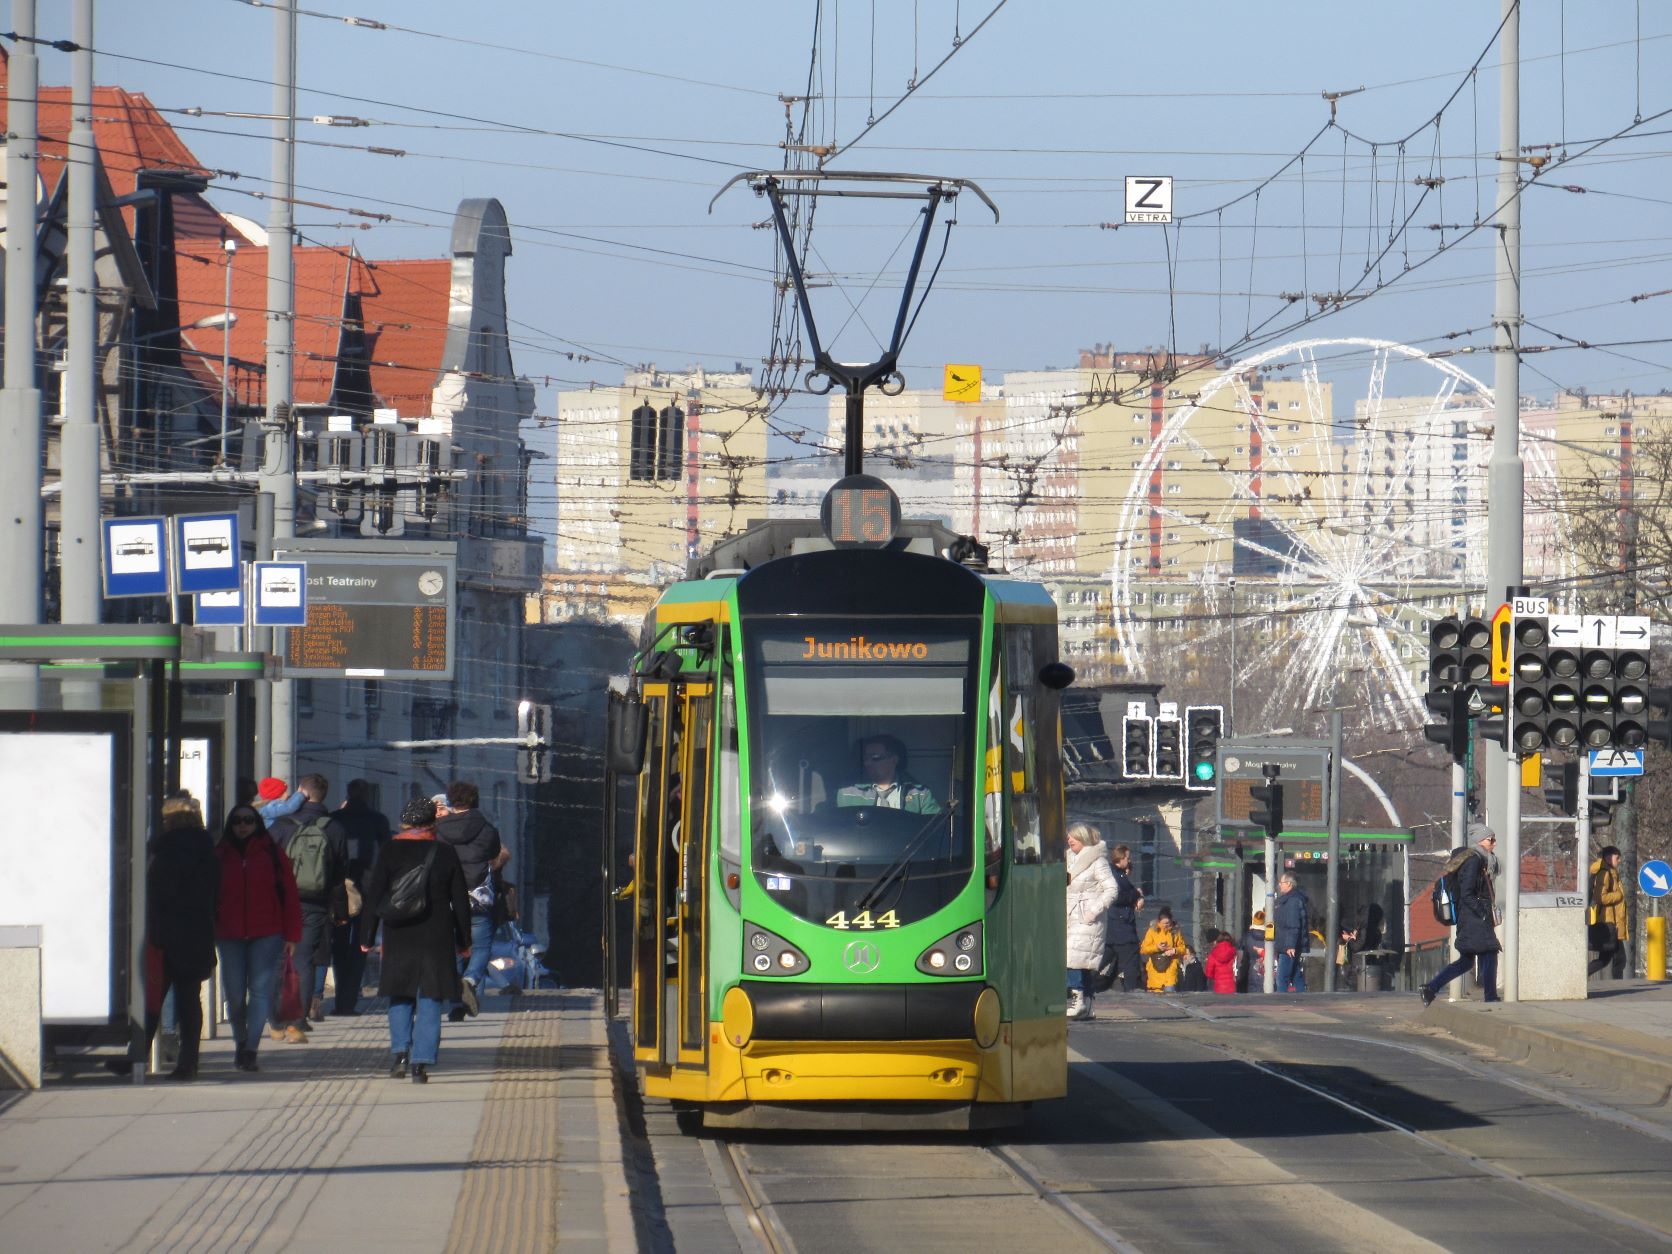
(771, 954)
(956, 953)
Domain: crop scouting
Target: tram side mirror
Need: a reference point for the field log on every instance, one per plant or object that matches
(624, 734)
(1056, 675)
(699, 636)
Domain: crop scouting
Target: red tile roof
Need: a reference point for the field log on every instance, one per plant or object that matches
(322, 276)
(129, 132)
(404, 307)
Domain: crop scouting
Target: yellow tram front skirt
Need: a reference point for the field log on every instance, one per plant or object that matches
(1027, 1063)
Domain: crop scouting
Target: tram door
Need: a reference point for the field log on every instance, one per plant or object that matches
(670, 884)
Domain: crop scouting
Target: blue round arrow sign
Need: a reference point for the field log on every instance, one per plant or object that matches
(1655, 878)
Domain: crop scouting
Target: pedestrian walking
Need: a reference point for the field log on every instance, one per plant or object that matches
(1164, 951)
(1469, 874)
(1121, 958)
(316, 845)
(1091, 891)
(368, 831)
(1220, 966)
(182, 887)
(416, 890)
(1293, 918)
(1607, 918)
(258, 920)
(476, 841)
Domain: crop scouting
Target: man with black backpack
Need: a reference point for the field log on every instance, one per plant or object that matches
(1465, 891)
(317, 846)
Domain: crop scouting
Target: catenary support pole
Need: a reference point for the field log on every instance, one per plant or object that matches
(1504, 471)
(20, 398)
(1332, 867)
(78, 535)
(278, 462)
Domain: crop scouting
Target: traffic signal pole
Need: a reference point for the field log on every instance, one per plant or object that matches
(1505, 474)
(1332, 869)
(1582, 827)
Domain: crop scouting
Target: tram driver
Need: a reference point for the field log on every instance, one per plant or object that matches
(887, 783)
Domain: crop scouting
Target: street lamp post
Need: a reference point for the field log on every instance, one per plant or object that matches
(231, 248)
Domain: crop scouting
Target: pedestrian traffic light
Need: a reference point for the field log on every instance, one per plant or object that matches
(1204, 725)
(1267, 811)
(1451, 726)
(1488, 705)
(1562, 793)
(1169, 748)
(1136, 756)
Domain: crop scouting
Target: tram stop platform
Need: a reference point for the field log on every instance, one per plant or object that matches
(514, 1144)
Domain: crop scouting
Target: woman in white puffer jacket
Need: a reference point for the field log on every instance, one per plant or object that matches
(1091, 891)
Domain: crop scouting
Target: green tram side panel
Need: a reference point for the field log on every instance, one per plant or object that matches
(1029, 922)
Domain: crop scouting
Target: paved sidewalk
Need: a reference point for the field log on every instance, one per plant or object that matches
(1620, 1035)
(513, 1145)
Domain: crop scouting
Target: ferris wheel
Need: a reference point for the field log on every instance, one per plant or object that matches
(1312, 569)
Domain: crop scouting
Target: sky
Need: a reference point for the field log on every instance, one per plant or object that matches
(605, 130)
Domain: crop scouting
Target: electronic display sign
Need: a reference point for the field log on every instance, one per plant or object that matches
(378, 610)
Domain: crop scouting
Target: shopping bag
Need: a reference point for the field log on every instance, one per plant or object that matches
(290, 994)
(156, 983)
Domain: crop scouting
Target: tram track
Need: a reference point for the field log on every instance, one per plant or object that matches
(1480, 1162)
(765, 1221)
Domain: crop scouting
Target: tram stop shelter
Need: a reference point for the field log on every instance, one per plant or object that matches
(104, 721)
(1375, 885)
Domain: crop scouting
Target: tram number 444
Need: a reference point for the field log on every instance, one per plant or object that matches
(863, 920)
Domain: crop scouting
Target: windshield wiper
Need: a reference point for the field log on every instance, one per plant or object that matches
(894, 868)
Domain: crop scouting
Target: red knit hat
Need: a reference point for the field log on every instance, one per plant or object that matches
(271, 789)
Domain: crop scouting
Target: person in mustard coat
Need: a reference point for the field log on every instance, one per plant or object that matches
(1164, 953)
(1608, 913)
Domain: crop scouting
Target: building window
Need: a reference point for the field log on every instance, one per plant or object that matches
(658, 443)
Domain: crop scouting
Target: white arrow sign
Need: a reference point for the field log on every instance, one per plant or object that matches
(1656, 878)
(1597, 631)
(1632, 631)
(1565, 628)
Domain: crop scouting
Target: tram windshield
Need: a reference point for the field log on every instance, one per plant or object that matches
(860, 759)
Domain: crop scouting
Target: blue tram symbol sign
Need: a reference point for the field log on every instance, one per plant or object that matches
(135, 557)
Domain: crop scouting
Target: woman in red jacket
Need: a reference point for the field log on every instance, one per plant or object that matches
(1220, 965)
(260, 917)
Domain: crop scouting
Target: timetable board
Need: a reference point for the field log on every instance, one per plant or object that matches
(378, 613)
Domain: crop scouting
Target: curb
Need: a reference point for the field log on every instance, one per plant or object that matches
(1591, 1061)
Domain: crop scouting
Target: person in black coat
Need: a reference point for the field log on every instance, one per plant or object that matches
(1120, 956)
(420, 976)
(182, 890)
(1477, 937)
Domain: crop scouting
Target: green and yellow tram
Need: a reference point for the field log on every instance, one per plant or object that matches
(847, 876)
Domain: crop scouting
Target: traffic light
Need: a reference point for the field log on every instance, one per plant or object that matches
(1613, 698)
(1169, 748)
(1529, 709)
(1136, 756)
(1474, 662)
(1445, 637)
(1488, 705)
(1658, 730)
(1451, 728)
(1268, 798)
(1562, 794)
(1204, 725)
